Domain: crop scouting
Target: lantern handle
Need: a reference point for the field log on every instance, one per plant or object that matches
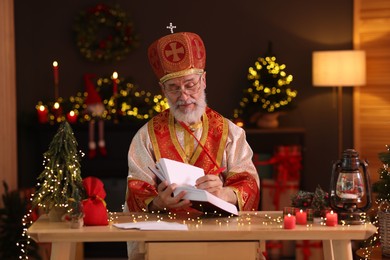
(364, 165)
(335, 173)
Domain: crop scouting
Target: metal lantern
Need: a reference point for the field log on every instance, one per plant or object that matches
(350, 188)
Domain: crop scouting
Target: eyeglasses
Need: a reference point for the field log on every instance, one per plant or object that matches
(190, 88)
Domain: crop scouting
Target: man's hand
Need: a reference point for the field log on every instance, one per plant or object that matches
(165, 200)
(213, 184)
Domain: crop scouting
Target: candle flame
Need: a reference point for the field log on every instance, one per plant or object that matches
(55, 64)
(56, 105)
(71, 113)
(42, 108)
(115, 75)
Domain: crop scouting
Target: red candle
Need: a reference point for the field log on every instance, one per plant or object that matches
(115, 83)
(301, 217)
(289, 221)
(56, 79)
(42, 114)
(331, 219)
(71, 117)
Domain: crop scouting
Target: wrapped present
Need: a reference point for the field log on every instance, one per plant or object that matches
(276, 249)
(95, 210)
(263, 165)
(273, 249)
(288, 163)
(309, 250)
(284, 165)
(276, 195)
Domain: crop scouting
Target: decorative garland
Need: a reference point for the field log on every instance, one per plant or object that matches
(130, 104)
(104, 33)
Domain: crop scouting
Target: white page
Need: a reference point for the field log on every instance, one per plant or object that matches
(152, 225)
(180, 173)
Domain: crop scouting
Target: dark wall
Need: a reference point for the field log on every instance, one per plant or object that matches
(235, 34)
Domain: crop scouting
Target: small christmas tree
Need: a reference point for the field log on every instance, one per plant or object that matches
(60, 183)
(317, 200)
(269, 89)
(320, 202)
(382, 186)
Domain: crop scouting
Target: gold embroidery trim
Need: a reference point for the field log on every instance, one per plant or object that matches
(222, 144)
(153, 140)
(180, 74)
(172, 133)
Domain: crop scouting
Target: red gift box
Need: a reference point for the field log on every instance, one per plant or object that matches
(309, 250)
(276, 195)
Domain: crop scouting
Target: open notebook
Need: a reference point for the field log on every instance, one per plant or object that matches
(185, 176)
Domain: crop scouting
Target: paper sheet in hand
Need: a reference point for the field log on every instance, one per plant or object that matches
(152, 225)
(178, 172)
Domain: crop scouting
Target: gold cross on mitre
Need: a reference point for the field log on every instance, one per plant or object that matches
(171, 27)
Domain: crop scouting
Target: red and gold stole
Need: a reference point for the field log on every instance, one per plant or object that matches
(166, 145)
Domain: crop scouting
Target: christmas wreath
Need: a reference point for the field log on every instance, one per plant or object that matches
(104, 33)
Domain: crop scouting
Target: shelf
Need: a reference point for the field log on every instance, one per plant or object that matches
(284, 130)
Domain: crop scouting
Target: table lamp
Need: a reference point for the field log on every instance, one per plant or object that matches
(341, 68)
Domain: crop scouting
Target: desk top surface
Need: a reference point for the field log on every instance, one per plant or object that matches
(248, 226)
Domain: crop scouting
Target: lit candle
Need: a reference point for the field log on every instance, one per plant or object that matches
(57, 110)
(71, 117)
(301, 217)
(115, 83)
(42, 114)
(56, 79)
(331, 219)
(289, 221)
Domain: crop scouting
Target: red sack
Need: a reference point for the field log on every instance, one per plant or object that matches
(95, 210)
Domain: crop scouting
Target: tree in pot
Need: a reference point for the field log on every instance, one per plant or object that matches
(60, 184)
(268, 93)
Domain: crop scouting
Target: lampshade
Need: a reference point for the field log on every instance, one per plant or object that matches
(339, 68)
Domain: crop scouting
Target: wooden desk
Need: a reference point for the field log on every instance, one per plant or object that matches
(248, 227)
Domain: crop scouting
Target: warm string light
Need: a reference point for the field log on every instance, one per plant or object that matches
(269, 91)
(125, 102)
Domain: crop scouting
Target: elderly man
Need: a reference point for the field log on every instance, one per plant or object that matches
(190, 132)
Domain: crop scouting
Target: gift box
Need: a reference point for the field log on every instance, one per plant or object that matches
(309, 250)
(263, 165)
(276, 249)
(276, 195)
(288, 162)
(273, 249)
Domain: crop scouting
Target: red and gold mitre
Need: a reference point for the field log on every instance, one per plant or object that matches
(177, 55)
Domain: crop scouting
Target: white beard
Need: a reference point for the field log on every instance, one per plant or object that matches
(189, 116)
